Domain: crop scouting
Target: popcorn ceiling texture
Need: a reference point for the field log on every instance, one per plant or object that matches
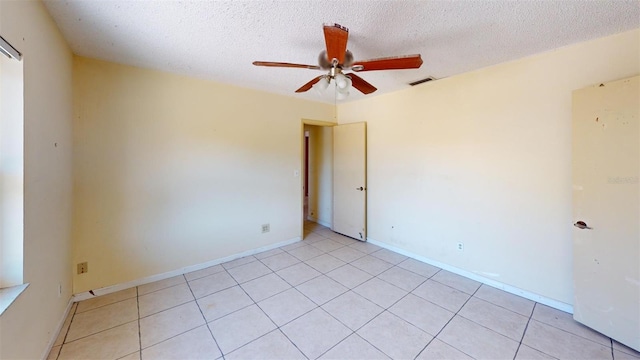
(218, 40)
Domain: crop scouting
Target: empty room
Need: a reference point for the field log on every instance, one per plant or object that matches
(320, 180)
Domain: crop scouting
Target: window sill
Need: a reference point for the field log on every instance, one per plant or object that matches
(9, 295)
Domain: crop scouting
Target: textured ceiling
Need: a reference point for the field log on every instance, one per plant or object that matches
(218, 40)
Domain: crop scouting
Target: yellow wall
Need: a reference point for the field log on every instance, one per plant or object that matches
(28, 326)
(172, 171)
(484, 158)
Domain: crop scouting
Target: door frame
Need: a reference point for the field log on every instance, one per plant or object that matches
(304, 122)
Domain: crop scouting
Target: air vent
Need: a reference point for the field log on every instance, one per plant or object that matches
(417, 82)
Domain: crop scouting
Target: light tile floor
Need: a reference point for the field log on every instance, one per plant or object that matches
(327, 297)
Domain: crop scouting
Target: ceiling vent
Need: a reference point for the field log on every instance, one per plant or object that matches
(417, 82)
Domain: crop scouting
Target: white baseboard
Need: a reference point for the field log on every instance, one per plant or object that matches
(318, 221)
(57, 330)
(508, 288)
(473, 276)
(153, 278)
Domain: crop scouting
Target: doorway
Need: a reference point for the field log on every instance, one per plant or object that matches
(317, 179)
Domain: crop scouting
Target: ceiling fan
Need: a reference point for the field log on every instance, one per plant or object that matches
(337, 59)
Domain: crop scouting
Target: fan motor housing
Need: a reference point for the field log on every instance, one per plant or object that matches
(325, 63)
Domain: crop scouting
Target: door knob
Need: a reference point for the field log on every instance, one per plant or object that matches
(582, 225)
(360, 188)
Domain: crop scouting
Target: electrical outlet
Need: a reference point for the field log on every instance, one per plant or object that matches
(266, 228)
(460, 246)
(83, 267)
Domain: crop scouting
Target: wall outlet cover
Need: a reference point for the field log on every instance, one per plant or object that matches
(83, 267)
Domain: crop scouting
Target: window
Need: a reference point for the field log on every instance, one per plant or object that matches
(11, 174)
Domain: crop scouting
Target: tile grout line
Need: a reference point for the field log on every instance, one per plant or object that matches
(279, 328)
(268, 297)
(203, 317)
(471, 296)
(613, 355)
(571, 333)
(169, 308)
(173, 306)
(203, 276)
(296, 288)
(294, 319)
(258, 306)
(174, 336)
(101, 331)
(396, 266)
(160, 289)
(292, 343)
(525, 331)
(215, 292)
(500, 306)
(530, 316)
(427, 300)
(404, 296)
(64, 338)
(139, 328)
(105, 305)
(445, 326)
(354, 332)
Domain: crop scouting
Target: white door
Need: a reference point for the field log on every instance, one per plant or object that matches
(606, 236)
(350, 180)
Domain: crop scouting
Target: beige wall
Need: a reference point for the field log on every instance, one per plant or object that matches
(484, 158)
(320, 173)
(29, 324)
(172, 171)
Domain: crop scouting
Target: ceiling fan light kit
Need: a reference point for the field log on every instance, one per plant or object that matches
(336, 59)
(321, 85)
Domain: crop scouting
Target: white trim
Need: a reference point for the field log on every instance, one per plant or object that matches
(58, 328)
(149, 279)
(8, 50)
(318, 221)
(9, 294)
(471, 275)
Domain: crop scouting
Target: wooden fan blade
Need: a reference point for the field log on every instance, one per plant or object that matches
(283, 64)
(389, 63)
(335, 37)
(308, 85)
(360, 84)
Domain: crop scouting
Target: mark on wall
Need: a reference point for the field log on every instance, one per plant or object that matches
(487, 274)
(607, 117)
(617, 180)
